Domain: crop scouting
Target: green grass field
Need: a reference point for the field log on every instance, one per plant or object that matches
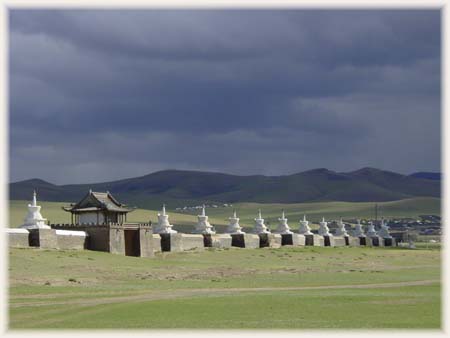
(247, 212)
(303, 287)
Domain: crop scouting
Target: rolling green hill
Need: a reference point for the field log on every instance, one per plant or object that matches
(180, 188)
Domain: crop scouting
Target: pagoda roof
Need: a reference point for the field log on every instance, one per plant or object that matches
(97, 201)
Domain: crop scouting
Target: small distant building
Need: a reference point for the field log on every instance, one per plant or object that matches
(98, 208)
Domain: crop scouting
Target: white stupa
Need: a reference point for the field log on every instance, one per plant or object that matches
(384, 231)
(304, 228)
(323, 228)
(260, 227)
(234, 227)
(203, 226)
(341, 231)
(371, 230)
(34, 219)
(358, 232)
(163, 226)
(283, 227)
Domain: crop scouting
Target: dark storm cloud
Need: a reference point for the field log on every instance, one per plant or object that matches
(269, 92)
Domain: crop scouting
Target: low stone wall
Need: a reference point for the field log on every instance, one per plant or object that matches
(116, 240)
(318, 240)
(74, 240)
(354, 241)
(192, 242)
(292, 239)
(274, 240)
(298, 240)
(369, 242)
(221, 241)
(57, 239)
(339, 241)
(328, 240)
(98, 235)
(389, 242)
(18, 238)
(112, 238)
(180, 242)
(146, 242)
(269, 240)
(249, 241)
(43, 238)
(156, 240)
(309, 240)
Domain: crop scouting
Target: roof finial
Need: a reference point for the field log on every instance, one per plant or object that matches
(259, 213)
(282, 214)
(164, 210)
(203, 210)
(304, 218)
(323, 219)
(234, 213)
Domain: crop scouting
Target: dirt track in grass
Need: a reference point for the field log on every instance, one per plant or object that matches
(211, 292)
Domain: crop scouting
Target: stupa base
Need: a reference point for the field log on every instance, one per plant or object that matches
(269, 240)
(175, 242)
(250, 241)
(389, 242)
(328, 240)
(340, 241)
(293, 239)
(309, 240)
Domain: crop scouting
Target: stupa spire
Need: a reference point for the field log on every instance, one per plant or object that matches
(304, 227)
(384, 230)
(34, 219)
(260, 227)
(283, 227)
(34, 202)
(341, 231)
(323, 228)
(371, 232)
(203, 226)
(358, 232)
(163, 226)
(233, 226)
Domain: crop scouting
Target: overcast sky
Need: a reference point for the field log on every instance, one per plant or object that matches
(103, 95)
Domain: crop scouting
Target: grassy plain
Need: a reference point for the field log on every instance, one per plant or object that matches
(302, 287)
(247, 212)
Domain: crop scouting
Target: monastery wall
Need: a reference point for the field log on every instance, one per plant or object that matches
(111, 238)
(146, 242)
(18, 238)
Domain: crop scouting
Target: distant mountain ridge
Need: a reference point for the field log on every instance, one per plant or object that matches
(427, 175)
(179, 187)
